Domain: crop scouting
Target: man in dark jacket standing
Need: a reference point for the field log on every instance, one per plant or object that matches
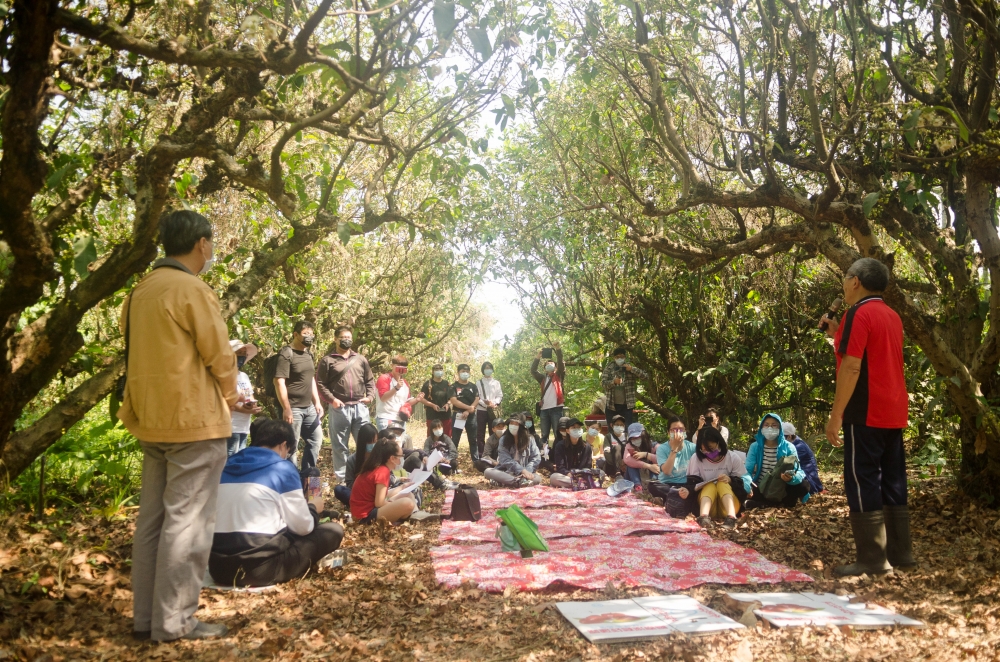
(346, 383)
(871, 406)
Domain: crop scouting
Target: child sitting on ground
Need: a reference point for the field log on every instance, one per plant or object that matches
(723, 477)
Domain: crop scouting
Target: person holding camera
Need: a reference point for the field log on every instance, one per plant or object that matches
(711, 418)
(550, 406)
(620, 384)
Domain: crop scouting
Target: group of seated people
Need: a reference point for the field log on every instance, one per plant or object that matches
(713, 481)
(267, 531)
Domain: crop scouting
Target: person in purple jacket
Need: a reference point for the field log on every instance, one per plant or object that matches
(807, 459)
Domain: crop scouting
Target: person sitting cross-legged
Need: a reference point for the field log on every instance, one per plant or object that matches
(491, 447)
(518, 457)
(265, 530)
(569, 453)
(767, 452)
(674, 458)
(725, 479)
(371, 497)
(639, 458)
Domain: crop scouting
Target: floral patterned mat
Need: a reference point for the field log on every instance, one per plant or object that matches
(669, 562)
(575, 522)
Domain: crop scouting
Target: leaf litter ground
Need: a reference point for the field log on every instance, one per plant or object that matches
(65, 595)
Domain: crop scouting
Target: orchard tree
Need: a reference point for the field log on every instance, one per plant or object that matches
(843, 129)
(332, 118)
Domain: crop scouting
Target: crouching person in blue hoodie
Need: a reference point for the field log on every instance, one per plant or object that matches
(265, 530)
(766, 455)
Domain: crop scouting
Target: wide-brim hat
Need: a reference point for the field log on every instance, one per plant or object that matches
(237, 345)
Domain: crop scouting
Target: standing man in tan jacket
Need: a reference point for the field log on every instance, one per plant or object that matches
(181, 382)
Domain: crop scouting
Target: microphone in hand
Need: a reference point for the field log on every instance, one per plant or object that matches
(824, 322)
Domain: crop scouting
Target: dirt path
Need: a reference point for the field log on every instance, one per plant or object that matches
(65, 596)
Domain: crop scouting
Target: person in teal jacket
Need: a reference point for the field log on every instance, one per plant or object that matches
(765, 452)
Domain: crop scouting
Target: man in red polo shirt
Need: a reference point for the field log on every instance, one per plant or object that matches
(870, 406)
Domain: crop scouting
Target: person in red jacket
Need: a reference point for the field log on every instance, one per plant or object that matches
(551, 383)
(871, 407)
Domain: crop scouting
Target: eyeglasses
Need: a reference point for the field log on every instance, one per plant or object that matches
(848, 277)
(398, 455)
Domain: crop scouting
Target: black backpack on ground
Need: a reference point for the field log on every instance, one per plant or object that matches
(271, 367)
(465, 505)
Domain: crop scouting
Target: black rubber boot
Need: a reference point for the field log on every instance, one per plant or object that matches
(869, 537)
(898, 548)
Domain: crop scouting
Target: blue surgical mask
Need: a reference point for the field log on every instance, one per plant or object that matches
(438, 374)
(369, 447)
(488, 372)
(463, 376)
(591, 432)
(550, 367)
(529, 424)
(576, 433)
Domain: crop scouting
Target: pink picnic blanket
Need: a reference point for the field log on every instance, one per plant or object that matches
(669, 562)
(573, 522)
(540, 496)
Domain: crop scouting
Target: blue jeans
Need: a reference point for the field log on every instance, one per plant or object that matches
(344, 422)
(236, 443)
(308, 429)
(550, 421)
(632, 474)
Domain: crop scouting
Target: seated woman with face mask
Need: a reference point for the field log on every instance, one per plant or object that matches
(722, 476)
(674, 457)
(569, 453)
(491, 448)
(766, 452)
(614, 447)
(640, 459)
(517, 459)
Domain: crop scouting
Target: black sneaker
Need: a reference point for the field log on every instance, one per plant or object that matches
(142, 635)
(705, 522)
(729, 523)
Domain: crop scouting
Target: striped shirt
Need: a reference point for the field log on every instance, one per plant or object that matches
(769, 460)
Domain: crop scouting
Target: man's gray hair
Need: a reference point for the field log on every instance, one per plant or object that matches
(873, 275)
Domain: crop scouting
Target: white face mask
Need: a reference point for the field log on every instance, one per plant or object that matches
(439, 374)
(619, 430)
(438, 432)
(591, 432)
(770, 433)
(550, 367)
(576, 433)
(488, 372)
(205, 268)
(619, 362)
(463, 376)
(513, 429)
